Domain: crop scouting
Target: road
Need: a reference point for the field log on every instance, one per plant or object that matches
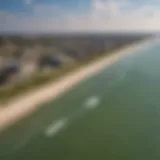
(112, 115)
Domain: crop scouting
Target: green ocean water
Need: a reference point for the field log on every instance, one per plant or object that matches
(114, 115)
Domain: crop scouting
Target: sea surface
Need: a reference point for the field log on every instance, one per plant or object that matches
(114, 115)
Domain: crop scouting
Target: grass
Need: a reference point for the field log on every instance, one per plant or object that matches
(8, 93)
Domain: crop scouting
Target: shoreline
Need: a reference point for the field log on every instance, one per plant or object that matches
(26, 104)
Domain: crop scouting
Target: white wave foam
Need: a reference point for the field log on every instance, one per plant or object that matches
(92, 102)
(55, 127)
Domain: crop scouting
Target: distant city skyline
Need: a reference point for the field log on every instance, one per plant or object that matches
(53, 16)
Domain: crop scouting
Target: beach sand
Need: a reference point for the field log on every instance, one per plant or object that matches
(32, 100)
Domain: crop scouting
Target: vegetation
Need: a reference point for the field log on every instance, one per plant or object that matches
(9, 92)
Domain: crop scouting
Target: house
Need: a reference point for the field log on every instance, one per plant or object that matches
(9, 70)
(29, 62)
(49, 61)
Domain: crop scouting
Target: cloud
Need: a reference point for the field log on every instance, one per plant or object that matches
(115, 16)
(102, 15)
(110, 6)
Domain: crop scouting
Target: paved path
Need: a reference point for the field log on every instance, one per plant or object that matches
(112, 115)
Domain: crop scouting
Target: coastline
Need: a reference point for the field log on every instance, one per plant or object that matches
(31, 101)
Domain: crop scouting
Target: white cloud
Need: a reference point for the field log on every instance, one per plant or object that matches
(111, 16)
(103, 15)
(109, 7)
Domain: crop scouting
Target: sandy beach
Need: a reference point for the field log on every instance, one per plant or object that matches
(31, 101)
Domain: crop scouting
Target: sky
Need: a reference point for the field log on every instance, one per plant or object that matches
(50, 16)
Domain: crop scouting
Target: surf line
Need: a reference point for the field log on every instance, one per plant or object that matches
(92, 102)
(55, 127)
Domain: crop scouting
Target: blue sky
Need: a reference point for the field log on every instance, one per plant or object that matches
(21, 5)
(78, 15)
(16, 6)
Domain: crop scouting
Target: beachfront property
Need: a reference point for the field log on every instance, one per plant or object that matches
(23, 57)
